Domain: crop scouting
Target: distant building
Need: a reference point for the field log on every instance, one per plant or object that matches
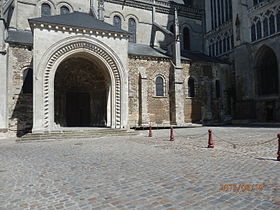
(248, 34)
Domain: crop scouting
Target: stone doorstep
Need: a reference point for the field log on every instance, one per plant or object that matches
(94, 133)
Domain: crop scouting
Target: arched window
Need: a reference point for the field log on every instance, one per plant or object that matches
(228, 44)
(191, 88)
(45, 9)
(219, 12)
(232, 41)
(272, 24)
(64, 10)
(159, 86)
(27, 81)
(132, 30)
(227, 12)
(267, 68)
(186, 37)
(253, 32)
(220, 46)
(171, 28)
(224, 45)
(278, 21)
(117, 22)
(265, 27)
(259, 30)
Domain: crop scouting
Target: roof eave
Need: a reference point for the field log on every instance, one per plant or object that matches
(63, 27)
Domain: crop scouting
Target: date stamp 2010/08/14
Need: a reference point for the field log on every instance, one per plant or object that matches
(241, 187)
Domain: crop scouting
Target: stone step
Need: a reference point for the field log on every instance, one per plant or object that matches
(77, 134)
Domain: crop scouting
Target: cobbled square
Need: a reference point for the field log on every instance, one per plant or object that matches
(141, 172)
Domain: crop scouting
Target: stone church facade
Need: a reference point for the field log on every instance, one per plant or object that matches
(247, 33)
(107, 63)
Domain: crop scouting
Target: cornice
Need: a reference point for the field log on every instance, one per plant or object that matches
(77, 30)
(147, 57)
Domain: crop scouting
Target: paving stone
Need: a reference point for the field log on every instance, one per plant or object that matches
(137, 172)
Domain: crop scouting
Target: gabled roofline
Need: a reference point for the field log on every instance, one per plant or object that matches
(49, 25)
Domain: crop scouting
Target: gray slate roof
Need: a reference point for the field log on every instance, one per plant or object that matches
(79, 20)
(175, 1)
(145, 50)
(198, 56)
(20, 37)
(25, 38)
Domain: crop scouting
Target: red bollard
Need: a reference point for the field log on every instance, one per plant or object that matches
(210, 140)
(278, 153)
(172, 138)
(150, 131)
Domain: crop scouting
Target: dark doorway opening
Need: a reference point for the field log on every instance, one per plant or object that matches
(78, 109)
(267, 71)
(81, 93)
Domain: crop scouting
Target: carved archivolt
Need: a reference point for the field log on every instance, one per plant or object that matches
(95, 50)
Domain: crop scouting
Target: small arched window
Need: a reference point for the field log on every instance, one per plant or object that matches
(228, 44)
(186, 38)
(27, 81)
(45, 9)
(64, 10)
(191, 88)
(159, 86)
(171, 28)
(265, 27)
(217, 48)
(224, 45)
(132, 30)
(220, 47)
(117, 22)
(272, 24)
(278, 21)
(253, 32)
(259, 30)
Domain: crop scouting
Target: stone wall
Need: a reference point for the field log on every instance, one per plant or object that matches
(19, 104)
(158, 108)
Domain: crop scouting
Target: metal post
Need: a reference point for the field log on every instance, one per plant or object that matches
(278, 153)
(150, 132)
(172, 138)
(210, 140)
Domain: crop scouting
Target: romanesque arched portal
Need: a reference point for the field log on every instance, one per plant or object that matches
(104, 61)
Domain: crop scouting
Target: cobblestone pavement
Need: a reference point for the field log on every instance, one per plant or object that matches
(144, 173)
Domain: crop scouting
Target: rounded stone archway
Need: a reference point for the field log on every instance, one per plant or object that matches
(267, 72)
(81, 93)
(113, 82)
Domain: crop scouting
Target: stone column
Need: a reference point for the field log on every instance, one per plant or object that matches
(3, 79)
(177, 88)
(178, 99)
(144, 118)
(109, 107)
